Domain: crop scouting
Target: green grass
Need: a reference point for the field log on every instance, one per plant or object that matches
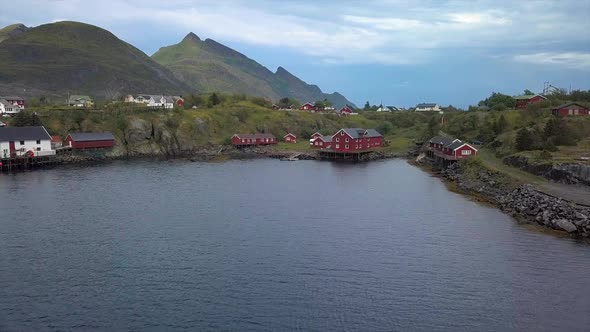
(489, 160)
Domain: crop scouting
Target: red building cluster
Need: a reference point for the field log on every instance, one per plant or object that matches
(348, 140)
(450, 149)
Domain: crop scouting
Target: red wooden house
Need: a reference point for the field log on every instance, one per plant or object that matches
(524, 101)
(290, 138)
(450, 149)
(253, 139)
(307, 107)
(346, 110)
(356, 140)
(315, 135)
(90, 140)
(570, 109)
(321, 142)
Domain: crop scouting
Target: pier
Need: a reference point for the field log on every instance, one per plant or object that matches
(26, 162)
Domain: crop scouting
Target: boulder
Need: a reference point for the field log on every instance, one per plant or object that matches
(565, 225)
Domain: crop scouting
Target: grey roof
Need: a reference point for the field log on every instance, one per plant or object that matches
(85, 137)
(8, 134)
(441, 140)
(327, 139)
(4, 101)
(354, 132)
(454, 145)
(425, 105)
(373, 133)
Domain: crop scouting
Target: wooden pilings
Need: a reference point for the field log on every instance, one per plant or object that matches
(25, 163)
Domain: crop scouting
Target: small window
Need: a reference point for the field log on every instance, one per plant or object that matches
(38, 142)
(346, 147)
(337, 146)
(38, 149)
(337, 139)
(346, 140)
(466, 152)
(22, 142)
(341, 133)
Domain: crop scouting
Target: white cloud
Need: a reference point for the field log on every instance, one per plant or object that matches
(575, 60)
(376, 31)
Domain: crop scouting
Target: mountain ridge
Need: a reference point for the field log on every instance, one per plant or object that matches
(209, 65)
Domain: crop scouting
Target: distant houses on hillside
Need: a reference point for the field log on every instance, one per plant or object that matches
(428, 107)
(525, 100)
(11, 105)
(156, 101)
(80, 101)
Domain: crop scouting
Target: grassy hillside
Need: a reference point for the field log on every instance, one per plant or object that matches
(209, 66)
(12, 31)
(78, 58)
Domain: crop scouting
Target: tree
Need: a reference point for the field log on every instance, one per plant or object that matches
(25, 119)
(498, 101)
(500, 125)
(385, 127)
(523, 139)
(367, 106)
(528, 92)
(214, 99)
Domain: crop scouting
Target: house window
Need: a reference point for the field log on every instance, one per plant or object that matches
(38, 149)
(337, 146)
(346, 146)
(346, 140)
(243, 140)
(22, 142)
(337, 139)
(38, 142)
(466, 152)
(341, 133)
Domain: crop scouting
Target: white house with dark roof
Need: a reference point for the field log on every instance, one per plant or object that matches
(25, 141)
(428, 107)
(8, 108)
(155, 101)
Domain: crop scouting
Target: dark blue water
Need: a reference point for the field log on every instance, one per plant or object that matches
(269, 245)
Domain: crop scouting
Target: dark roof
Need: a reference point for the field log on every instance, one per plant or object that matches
(527, 97)
(354, 132)
(254, 136)
(85, 137)
(23, 134)
(568, 105)
(454, 145)
(12, 98)
(425, 105)
(326, 139)
(441, 140)
(372, 133)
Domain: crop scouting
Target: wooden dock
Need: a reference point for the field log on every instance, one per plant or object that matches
(25, 163)
(328, 154)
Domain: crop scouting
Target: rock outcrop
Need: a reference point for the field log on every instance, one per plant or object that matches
(564, 173)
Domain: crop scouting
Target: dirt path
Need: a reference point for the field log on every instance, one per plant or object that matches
(574, 193)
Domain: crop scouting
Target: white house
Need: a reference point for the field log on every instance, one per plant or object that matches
(23, 141)
(156, 101)
(428, 107)
(8, 108)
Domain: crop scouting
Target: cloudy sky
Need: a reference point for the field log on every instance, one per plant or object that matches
(390, 51)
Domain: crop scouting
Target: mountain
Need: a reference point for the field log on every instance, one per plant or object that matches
(72, 57)
(209, 66)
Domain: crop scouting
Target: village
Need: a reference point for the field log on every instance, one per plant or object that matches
(33, 146)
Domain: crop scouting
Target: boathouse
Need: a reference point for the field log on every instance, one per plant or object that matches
(25, 142)
(449, 149)
(356, 140)
(346, 110)
(253, 139)
(90, 140)
(570, 109)
(290, 138)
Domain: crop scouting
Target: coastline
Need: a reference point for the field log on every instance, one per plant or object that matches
(527, 205)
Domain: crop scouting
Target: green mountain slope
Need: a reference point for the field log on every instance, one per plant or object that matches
(209, 66)
(74, 57)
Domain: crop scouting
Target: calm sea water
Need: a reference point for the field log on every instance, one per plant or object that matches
(270, 245)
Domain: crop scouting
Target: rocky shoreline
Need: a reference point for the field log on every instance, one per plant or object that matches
(523, 202)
